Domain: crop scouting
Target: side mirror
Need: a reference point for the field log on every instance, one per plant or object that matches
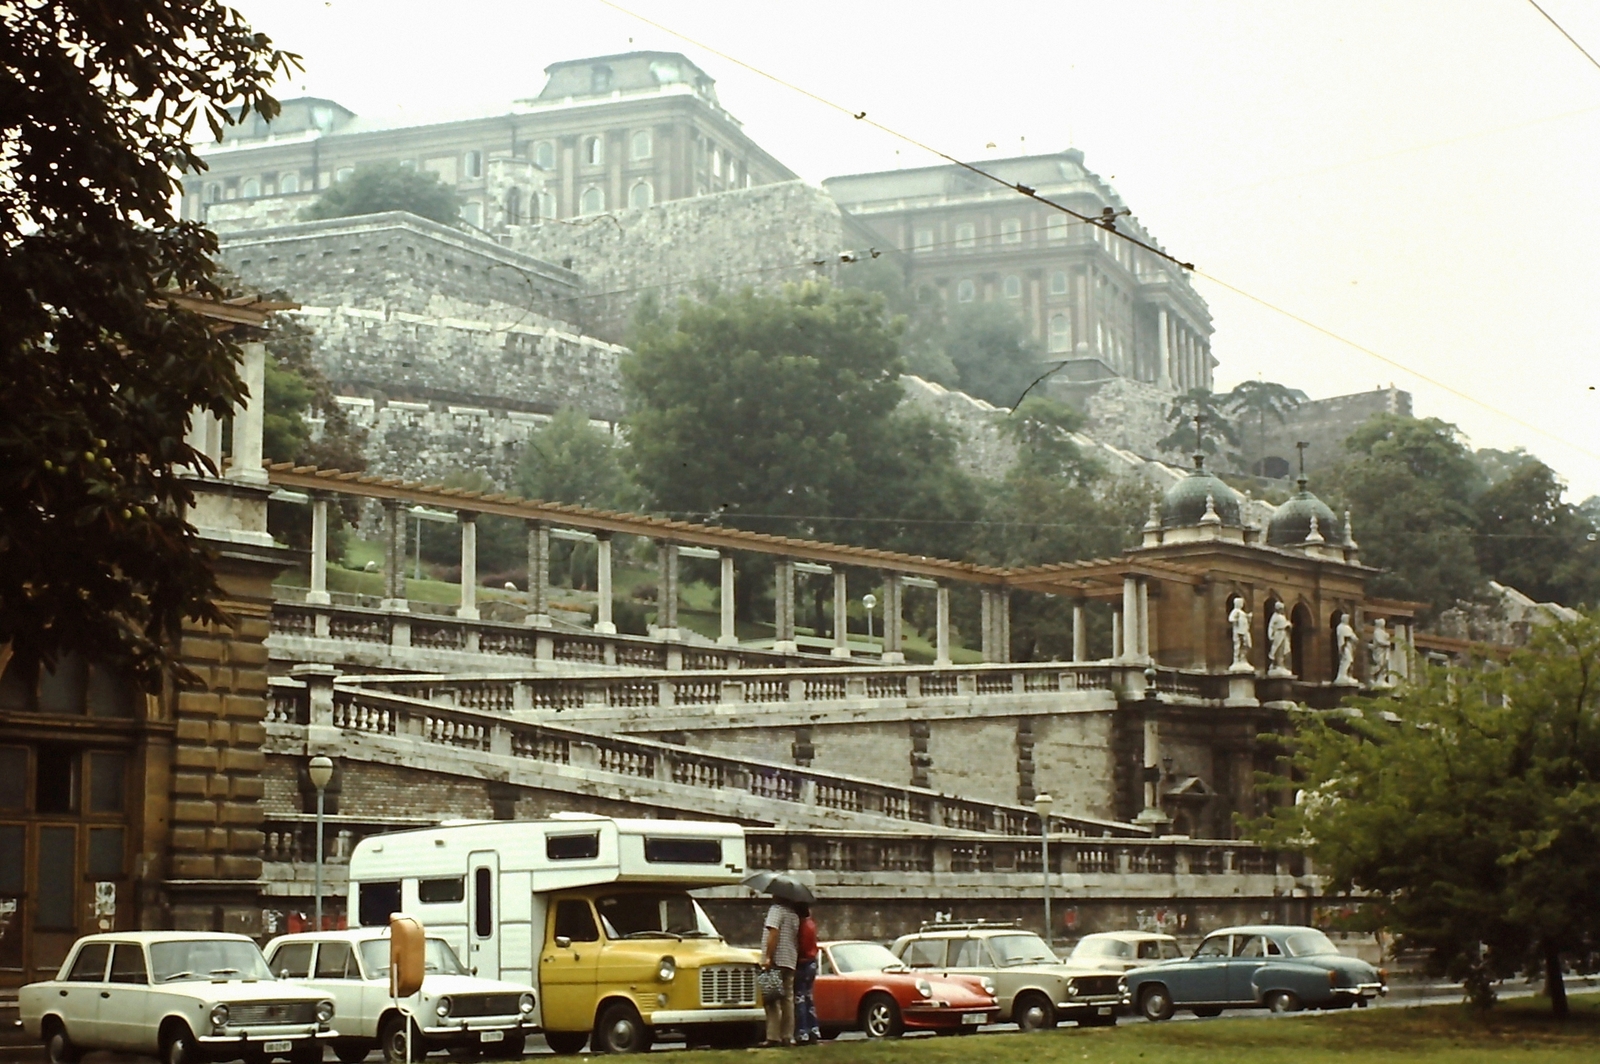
(563, 942)
(407, 955)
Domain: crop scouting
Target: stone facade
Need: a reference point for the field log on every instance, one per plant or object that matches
(1324, 424)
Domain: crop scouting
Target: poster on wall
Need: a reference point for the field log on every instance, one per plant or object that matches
(105, 904)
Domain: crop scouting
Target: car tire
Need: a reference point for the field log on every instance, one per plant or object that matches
(58, 1048)
(1094, 1019)
(620, 1030)
(1207, 1013)
(1033, 1012)
(566, 1043)
(392, 1040)
(351, 1052)
(180, 1047)
(880, 1017)
(1283, 1001)
(1155, 1003)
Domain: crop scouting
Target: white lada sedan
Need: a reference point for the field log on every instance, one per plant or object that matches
(182, 996)
(455, 1010)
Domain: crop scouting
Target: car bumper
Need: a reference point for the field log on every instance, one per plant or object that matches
(1092, 1006)
(690, 1017)
(947, 1017)
(298, 1034)
(468, 1028)
(1365, 990)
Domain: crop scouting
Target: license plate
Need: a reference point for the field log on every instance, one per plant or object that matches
(973, 1019)
(276, 1047)
(492, 1036)
(1104, 1010)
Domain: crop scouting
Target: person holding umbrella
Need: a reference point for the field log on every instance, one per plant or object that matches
(780, 950)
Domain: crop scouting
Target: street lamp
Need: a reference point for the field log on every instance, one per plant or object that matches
(869, 600)
(321, 771)
(1041, 805)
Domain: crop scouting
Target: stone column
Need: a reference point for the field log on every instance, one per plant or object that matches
(1144, 620)
(667, 591)
(1163, 351)
(1130, 618)
(602, 622)
(1080, 633)
(893, 590)
(248, 417)
(1116, 633)
(1003, 601)
(728, 637)
(783, 608)
(986, 624)
(318, 595)
(394, 555)
(468, 610)
(941, 652)
(538, 575)
(841, 616)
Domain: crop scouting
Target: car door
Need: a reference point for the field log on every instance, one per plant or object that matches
(125, 1001)
(336, 974)
(569, 967)
(483, 939)
(1250, 953)
(80, 994)
(835, 1000)
(1203, 978)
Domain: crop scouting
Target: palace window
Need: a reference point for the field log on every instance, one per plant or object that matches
(922, 240)
(547, 207)
(1012, 286)
(600, 79)
(213, 192)
(289, 182)
(472, 164)
(641, 195)
(1060, 333)
(966, 235)
(1056, 227)
(513, 206)
(716, 162)
(641, 144)
(544, 155)
(1058, 283)
(594, 151)
(593, 201)
(1010, 231)
(966, 292)
(250, 189)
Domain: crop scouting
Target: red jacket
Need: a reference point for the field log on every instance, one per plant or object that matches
(808, 940)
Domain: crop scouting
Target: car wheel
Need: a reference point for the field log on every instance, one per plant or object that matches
(880, 1017)
(1033, 1012)
(179, 1048)
(1094, 1019)
(620, 1030)
(1283, 1001)
(392, 1040)
(351, 1052)
(1155, 1002)
(566, 1043)
(58, 1048)
(1207, 1013)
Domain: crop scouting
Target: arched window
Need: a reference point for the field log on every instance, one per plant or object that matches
(544, 155)
(641, 144)
(594, 151)
(1300, 639)
(716, 162)
(289, 182)
(966, 292)
(593, 202)
(1010, 231)
(250, 189)
(1012, 287)
(547, 207)
(1058, 283)
(472, 164)
(966, 235)
(513, 206)
(733, 174)
(1060, 333)
(641, 195)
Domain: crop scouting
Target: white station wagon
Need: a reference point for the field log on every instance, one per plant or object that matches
(455, 1009)
(182, 996)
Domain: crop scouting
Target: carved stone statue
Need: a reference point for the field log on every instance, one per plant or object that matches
(1278, 627)
(1239, 625)
(1346, 641)
(1382, 654)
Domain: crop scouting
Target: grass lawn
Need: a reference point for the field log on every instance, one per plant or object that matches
(1520, 1031)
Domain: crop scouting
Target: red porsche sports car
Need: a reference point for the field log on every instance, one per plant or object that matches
(862, 986)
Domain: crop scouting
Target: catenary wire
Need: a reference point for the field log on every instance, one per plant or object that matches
(1562, 30)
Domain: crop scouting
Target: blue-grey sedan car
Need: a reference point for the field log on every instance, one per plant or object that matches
(1282, 968)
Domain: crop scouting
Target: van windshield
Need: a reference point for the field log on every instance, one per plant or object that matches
(653, 914)
(438, 957)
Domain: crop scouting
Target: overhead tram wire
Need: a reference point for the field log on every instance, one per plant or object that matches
(1109, 224)
(1562, 30)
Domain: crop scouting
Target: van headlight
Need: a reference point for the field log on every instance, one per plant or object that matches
(924, 988)
(667, 969)
(443, 1007)
(324, 1011)
(219, 1016)
(525, 1004)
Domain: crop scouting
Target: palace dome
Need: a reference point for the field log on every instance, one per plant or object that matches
(1291, 522)
(1184, 504)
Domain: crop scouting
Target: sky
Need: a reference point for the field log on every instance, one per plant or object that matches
(1416, 177)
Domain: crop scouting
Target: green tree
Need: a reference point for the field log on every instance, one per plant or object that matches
(1257, 402)
(1410, 486)
(918, 317)
(98, 104)
(1464, 811)
(1498, 465)
(995, 357)
(1217, 424)
(1530, 539)
(377, 187)
(569, 460)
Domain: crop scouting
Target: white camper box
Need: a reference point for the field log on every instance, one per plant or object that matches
(483, 885)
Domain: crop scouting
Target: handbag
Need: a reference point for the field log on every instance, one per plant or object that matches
(770, 981)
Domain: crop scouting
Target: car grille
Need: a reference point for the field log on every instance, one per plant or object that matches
(1096, 985)
(268, 1013)
(484, 1005)
(728, 984)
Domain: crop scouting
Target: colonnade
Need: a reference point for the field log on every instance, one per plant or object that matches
(1184, 360)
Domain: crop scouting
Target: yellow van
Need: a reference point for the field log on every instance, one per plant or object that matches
(594, 911)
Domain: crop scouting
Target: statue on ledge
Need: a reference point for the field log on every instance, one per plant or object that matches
(1278, 628)
(1239, 625)
(1346, 641)
(1382, 654)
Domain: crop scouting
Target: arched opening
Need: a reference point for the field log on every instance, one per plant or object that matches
(514, 206)
(1334, 620)
(1301, 638)
(641, 195)
(594, 201)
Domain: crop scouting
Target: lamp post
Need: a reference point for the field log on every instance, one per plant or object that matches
(869, 600)
(1041, 805)
(321, 771)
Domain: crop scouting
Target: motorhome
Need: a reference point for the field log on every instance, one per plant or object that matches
(593, 911)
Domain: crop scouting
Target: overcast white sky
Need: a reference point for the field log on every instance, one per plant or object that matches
(1419, 177)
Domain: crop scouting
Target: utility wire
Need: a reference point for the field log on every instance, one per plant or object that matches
(1109, 223)
(1558, 26)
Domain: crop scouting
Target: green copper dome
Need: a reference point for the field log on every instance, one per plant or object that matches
(1291, 522)
(1184, 504)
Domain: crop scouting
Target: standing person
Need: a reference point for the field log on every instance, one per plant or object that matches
(781, 951)
(806, 1030)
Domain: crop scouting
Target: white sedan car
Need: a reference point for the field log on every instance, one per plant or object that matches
(182, 996)
(1122, 951)
(455, 1010)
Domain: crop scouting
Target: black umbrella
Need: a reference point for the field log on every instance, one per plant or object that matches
(780, 885)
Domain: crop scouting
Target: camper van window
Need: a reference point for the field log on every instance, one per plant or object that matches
(439, 957)
(652, 914)
(572, 847)
(575, 921)
(335, 961)
(376, 902)
(683, 851)
(292, 961)
(439, 891)
(483, 902)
